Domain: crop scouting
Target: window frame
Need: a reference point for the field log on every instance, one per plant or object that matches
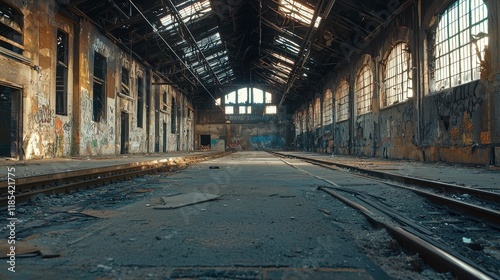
(456, 59)
(125, 81)
(317, 112)
(363, 90)
(99, 80)
(328, 107)
(397, 59)
(270, 110)
(342, 100)
(61, 87)
(13, 20)
(164, 101)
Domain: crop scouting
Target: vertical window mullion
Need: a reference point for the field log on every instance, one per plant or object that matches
(449, 52)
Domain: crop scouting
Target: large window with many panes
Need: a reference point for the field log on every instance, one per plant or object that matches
(317, 112)
(397, 85)
(244, 101)
(11, 28)
(342, 100)
(99, 88)
(461, 38)
(327, 107)
(363, 90)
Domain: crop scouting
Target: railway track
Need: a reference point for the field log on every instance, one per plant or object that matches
(409, 233)
(63, 182)
(441, 194)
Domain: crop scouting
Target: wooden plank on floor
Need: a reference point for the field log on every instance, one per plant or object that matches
(185, 199)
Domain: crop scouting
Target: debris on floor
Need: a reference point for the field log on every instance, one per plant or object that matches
(142, 190)
(185, 199)
(101, 214)
(25, 250)
(325, 212)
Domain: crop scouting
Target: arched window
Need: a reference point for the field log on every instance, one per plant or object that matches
(317, 112)
(397, 76)
(248, 101)
(342, 100)
(461, 38)
(363, 90)
(304, 120)
(327, 107)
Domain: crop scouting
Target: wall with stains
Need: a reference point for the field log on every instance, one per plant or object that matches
(364, 137)
(243, 132)
(97, 137)
(459, 124)
(45, 133)
(243, 137)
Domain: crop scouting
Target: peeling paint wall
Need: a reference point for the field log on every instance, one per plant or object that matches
(459, 124)
(459, 128)
(45, 133)
(244, 137)
(243, 132)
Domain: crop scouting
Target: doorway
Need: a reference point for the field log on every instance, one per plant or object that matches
(205, 142)
(124, 134)
(10, 122)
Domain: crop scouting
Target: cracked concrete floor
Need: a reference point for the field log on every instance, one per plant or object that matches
(265, 225)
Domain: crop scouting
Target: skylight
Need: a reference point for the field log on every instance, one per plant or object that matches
(298, 12)
(282, 58)
(289, 44)
(210, 41)
(282, 68)
(189, 13)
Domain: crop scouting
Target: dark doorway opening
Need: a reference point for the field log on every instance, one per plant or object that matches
(10, 120)
(124, 134)
(205, 142)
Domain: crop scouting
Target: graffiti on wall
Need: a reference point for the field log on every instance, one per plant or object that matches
(100, 47)
(459, 100)
(261, 118)
(97, 137)
(44, 115)
(267, 142)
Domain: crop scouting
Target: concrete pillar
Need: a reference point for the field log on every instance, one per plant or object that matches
(494, 75)
(77, 82)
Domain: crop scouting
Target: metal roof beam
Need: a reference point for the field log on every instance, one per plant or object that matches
(190, 36)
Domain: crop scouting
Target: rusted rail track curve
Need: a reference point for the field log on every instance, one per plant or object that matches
(438, 257)
(491, 216)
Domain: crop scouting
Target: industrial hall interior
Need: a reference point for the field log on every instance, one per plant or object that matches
(203, 136)
(394, 79)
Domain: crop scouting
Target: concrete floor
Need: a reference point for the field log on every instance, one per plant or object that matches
(266, 225)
